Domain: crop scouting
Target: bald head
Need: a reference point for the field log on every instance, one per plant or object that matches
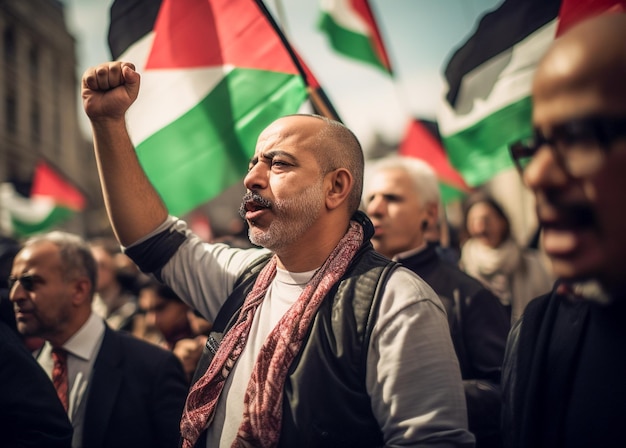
(577, 171)
(333, 145)
(339, 148)
(590, 60)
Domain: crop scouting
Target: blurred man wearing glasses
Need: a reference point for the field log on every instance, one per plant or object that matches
(565, 365)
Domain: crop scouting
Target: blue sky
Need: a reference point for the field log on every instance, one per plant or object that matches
(419, 35)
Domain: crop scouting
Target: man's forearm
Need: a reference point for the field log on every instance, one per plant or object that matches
(133, 205)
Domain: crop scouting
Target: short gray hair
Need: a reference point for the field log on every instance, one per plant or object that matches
(421, 173)
(75, 254)
(338, 147)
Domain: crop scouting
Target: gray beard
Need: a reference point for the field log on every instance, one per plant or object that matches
(293, 218)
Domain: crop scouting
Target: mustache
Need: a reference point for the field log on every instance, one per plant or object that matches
(576, 215)
(252, 197)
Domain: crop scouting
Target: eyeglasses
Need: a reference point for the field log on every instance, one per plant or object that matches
(28, 281)
(579, 146)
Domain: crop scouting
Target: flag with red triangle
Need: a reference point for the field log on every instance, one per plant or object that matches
(53, 200)
(214, 73)
(352, 31)
(421, 140)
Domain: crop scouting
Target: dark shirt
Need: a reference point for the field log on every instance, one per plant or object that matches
(479, 327)
(565, 367)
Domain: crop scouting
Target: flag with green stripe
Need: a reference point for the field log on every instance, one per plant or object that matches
(52, 201)
(488, 105)
(215, 73)
(352, 31)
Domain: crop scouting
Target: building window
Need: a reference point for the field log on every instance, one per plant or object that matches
(33, 61)
(35, 123)
(56, 129)
(9, 45)
(10, 109)
(57, 112)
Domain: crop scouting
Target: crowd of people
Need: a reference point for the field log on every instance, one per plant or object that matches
(342, 324)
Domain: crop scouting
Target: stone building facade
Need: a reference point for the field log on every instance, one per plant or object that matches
(39, 94)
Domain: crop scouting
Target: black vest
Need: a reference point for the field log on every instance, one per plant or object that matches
(325, 401)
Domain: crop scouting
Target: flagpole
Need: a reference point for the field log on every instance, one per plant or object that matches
(282, 17)
(381, 47)
(321, 104)
(318, 98)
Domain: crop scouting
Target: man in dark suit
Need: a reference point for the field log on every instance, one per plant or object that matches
(118, 391)
(31, 415)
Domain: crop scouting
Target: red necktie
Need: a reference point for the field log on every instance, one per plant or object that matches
(59, 374)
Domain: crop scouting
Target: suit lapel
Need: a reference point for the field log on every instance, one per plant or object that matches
(103, 390)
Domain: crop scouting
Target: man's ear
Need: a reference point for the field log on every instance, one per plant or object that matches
(338, 185)
(81, 290)
(432, 214)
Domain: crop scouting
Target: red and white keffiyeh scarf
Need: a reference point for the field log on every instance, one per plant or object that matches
(263, 399)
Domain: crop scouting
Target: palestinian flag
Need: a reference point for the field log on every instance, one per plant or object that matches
(422, 141)
(214, 73)
(53, 200)
(352, 31)
(488, 105)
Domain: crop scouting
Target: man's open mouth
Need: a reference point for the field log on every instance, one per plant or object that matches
(251, 204)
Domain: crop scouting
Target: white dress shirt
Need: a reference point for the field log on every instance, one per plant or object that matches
(82, 349)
